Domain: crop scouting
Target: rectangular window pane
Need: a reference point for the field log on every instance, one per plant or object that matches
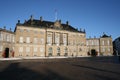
(49, 40)
(27, 39)
(41, 41)
(41, 49)
(13, 39)
(20, 49)
(35, 40)
(0, 48)
(21, 39)
(8, 38)
(35, 49)
(1, 37)
(27, 49)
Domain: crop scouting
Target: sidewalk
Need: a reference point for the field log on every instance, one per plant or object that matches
(23, 58)
(6, 59)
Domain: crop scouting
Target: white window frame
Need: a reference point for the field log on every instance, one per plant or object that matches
(35, 40)
(1, 47)
(41, 41)
(49, 40)
(27, 39)
(27, 49)
(13, 38)
(108, 49)
(108, 42)
(21, 39)
(8, 37)
(20, 49)
(41, 49)
(1, 37)
(35, 49)
(103, 49)
(103, 42)
(65, 41)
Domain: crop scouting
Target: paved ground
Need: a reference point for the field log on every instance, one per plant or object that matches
(90, 68)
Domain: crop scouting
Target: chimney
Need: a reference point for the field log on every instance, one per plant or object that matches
(67, 23)
(41, 19)
(31, 17)
(60, 21)
(18, 21)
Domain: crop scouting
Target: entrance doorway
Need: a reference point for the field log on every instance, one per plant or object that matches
(93, 52)
(6, 52)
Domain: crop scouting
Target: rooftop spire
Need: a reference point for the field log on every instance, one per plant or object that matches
(56, 14)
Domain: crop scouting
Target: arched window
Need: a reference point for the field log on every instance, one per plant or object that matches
(66, 52)
(50, 51)
(58, 51)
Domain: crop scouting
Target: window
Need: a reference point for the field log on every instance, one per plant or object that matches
(80, 49)
(21, 30)
(108, 42)
(108, 49)
(41, 49)
(27, 49)
(5, 38)
(1, 48)
(41, 32)
(13, 48)
(20, 49)
(8, 38)
(49, 40)
(87, 43)
(35, 40)
(65, 39)
(1, 36)
(97, 43)
(103, 49)
(35, 49)
(50, 51)
(21, 39)
(103, 42)
(42, 41)
(92, 42)
(57, 39)
(65, 52)
(58, 51)
(27, 39)
(13, 39)
(27, 30)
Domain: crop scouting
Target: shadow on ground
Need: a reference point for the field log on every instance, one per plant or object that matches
(14, 72)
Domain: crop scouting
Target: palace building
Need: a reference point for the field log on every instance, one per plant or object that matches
(40, 38)
(7, 43)
(100, 46)
(44, 38)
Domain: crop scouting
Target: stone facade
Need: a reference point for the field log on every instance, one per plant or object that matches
(6, 43)
(48, 39)
(39, 38)
(101, 46)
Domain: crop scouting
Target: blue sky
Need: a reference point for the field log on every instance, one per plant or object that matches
(95, 16)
